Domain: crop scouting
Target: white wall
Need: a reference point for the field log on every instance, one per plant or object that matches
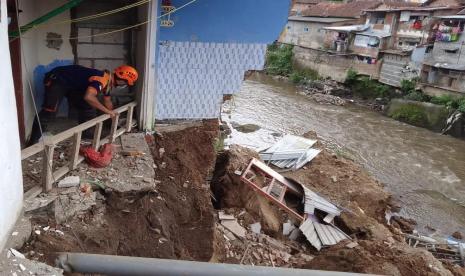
(11, 185)
(305, 34)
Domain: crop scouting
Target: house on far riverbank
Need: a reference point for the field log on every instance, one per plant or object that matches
(443, 70)
(387, 40)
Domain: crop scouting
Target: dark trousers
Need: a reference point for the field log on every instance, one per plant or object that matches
(54, 94)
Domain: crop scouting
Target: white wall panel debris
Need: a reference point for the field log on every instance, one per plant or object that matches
(194, 76)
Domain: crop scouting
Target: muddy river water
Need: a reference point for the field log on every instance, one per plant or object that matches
(425, 171)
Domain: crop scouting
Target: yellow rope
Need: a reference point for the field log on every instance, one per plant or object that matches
(132, 26)
(123, 29)
(90, 17)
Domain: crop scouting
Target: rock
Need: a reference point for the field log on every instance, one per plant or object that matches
(351, 245)
(161, 152)
(223, 216)
(295, 234)
(457, 235)
(334, 178)
(275, 244)
(288, 227)
(247, 128)
(86, 188)
(69, 181)
(286, 256)
(235, 227)
(404, 224)
(17, 254)
(75, 197)
(328, 99)
(256, 227)
(306, 257)
(38, 202)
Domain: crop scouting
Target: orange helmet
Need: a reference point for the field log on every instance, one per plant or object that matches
(127, 73)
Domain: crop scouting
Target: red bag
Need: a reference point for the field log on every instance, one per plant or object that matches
(98, 159)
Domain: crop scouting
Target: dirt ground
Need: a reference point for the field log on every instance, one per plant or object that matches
(177, 218)
(381, 248)
(174, 220)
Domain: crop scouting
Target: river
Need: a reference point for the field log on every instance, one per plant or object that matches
(423, 170)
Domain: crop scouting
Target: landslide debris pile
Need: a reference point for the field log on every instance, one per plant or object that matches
(197, 210)
(375, 247)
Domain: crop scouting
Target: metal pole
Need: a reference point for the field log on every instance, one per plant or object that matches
(122, 265)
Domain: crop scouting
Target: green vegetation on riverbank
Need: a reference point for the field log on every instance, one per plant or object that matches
(366, 88)
(407, 104)
(279, 62)
(409, 91)
(411, 114)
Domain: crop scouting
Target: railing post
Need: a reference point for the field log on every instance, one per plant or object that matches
(97, 134)
(47, 170)
(129, 118)
(75, 151)
(114, 128)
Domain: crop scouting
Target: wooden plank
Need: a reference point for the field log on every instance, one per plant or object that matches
(30, 151)
(97, 134)
(105, 140)
(264, 168)
(129, 118)
(65, 169)
(272, 199)
(60, 172)
(283, 193)
(70, 132)
(36, 148)
(32, 192)
(114, 128)
(120, 132)
(75, 151)
(47, 175)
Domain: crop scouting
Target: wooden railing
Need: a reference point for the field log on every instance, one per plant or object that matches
(48, 145)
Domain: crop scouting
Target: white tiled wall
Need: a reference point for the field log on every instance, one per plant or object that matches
(193, 76)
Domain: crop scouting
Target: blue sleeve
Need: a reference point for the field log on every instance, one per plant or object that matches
(96, 85)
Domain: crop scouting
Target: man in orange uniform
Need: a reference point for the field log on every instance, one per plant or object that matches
(81, 86)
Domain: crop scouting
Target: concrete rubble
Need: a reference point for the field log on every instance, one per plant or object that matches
(234, 227)
(261, 249)
(73, 202)
(256, 227)
(288, 228)
(131, 169)
(69, 181)
(326, 92)
(39, 202)
(13, 262)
